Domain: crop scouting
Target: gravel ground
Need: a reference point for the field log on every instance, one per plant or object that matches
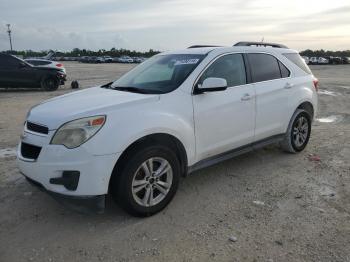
(262, 206)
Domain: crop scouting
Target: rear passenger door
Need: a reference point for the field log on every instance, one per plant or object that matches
(272, 89)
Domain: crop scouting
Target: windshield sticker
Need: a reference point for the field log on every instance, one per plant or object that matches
(187, 62)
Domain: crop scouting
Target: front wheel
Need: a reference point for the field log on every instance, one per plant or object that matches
(298, 133)
(148, 181)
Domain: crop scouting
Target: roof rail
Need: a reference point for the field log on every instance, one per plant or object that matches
(260, 44)
(200, 46)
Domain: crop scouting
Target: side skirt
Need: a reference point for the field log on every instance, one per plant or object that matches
(235, 152)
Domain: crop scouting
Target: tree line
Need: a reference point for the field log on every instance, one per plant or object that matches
(114, 52)
(323, 53)
(76, 52)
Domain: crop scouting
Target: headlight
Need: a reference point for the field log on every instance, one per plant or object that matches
(77, 132)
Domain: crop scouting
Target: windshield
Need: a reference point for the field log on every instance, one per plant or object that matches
(22, 61)
(159, 74)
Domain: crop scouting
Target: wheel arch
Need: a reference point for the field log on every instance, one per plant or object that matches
(304, 104)
(307, 106)
(157, 138)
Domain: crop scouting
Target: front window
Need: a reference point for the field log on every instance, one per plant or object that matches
(159, 74)
(229, 67)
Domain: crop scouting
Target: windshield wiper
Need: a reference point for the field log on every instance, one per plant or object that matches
(108, 85)
(131, 89)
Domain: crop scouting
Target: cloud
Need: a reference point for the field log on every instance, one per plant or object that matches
(165, 25)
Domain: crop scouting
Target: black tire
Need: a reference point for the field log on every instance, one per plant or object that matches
(122, 184)
(74, 84)
(50, 83)
(291, 142)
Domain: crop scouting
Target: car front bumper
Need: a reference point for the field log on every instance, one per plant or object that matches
(68, 173)
(82, 204)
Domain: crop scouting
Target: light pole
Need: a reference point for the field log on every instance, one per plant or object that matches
(9, 32)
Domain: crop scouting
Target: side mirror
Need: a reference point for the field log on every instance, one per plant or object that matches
(212, 84)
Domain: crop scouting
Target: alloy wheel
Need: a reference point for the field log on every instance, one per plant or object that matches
(152, 181)
(300, 131)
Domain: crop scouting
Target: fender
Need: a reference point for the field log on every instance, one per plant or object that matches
(127, 125)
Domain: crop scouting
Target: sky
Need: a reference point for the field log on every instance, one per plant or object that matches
(173, 24)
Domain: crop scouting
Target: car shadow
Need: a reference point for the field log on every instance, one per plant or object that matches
(20, 90)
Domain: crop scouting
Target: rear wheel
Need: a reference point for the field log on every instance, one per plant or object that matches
(50, 83)
(298, 132)
(148, 181)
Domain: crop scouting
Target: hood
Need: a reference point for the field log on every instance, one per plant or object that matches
(88, 102)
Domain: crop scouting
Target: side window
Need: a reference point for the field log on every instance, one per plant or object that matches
(284, 70)
(230, 67)
(264, 67)
(38, 62)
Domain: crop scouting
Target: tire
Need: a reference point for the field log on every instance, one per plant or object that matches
(132, 189)
(50, 84)
(298, 133)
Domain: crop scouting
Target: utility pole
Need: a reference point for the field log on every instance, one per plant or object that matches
(9, 32)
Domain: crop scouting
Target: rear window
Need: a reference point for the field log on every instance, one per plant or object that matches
(299, 61)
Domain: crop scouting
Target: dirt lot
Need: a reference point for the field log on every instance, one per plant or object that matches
(274, 206)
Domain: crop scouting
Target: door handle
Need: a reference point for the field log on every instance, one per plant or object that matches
(246, 97)
(288, 86)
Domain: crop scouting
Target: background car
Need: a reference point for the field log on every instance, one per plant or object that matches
(139, 59)
(125, 59)
(322, 61)
(15, 72)
(345, 60)
(313, 60)
(334, 60)
(99, 59)
(84, 59)
(108, 59)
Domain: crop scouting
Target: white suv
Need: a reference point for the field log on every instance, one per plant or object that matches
(173, 114)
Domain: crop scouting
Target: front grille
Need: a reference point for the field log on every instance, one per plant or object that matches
(30, 151)
(37, 128)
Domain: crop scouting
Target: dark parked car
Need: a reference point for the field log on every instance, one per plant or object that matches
(345, 60)
(15, 72)
(334, 60)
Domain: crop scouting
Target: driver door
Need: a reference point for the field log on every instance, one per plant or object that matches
(224, 120)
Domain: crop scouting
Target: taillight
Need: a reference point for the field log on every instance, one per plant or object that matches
(316, 84)
(59, 65)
